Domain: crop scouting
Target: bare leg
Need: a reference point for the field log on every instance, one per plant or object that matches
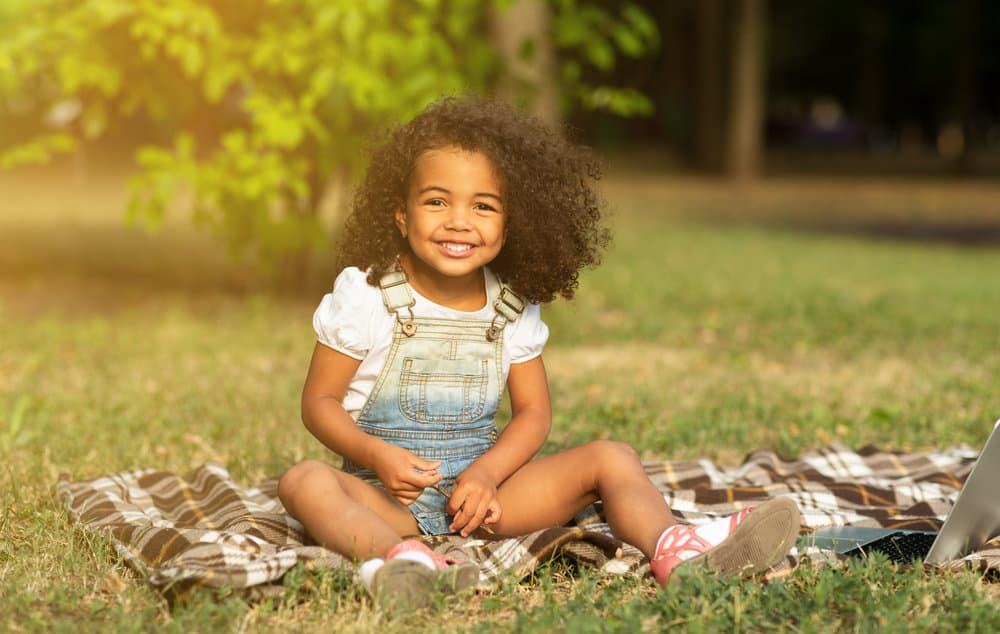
(342, 512)
(550, 490)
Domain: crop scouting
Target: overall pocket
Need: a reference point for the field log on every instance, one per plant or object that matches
(443, 390)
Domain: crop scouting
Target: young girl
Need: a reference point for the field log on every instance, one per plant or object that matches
(470, 216)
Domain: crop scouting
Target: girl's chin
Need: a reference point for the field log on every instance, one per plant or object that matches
(444, 267)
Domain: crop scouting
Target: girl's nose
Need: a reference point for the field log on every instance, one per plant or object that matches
(459, 217)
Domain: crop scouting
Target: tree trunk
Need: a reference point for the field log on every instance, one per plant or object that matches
(746, 100)
(522, 35)
(709, 84)
(966, 88)
(871, 71)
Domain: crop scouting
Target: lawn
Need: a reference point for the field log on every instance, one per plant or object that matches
(714, 326)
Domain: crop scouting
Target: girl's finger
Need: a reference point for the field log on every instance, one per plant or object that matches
(421, 479)
(475, 520)
(466, 511)
(425, 465)
(493, 514)
(404, 497)
(457, 511)
(459, 499)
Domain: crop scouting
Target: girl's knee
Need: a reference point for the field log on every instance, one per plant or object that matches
(297, 479)
(613, 451)
(613, 459)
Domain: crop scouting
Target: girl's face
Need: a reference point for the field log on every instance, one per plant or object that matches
(454, 216)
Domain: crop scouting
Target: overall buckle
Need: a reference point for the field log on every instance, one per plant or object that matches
(509, 306)
(396, 295)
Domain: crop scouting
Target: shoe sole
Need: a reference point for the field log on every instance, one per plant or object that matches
(759, 542)
(401, 584)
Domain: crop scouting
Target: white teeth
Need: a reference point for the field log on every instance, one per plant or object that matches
(456, 248)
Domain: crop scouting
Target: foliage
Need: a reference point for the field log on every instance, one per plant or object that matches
(601, 36)
(262, 101)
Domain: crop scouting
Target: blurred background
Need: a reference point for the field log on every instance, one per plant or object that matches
(233, 129)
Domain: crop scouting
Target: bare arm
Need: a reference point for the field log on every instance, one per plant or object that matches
(473, 500)
(323, 413)
(531, 419)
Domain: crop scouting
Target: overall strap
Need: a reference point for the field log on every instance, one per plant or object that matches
(509, 305)
(396, 296)
(395, 291)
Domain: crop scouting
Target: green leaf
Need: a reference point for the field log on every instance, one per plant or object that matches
(15, 435)
(628, 42)
(95, 121)
(641, 24)
(154, 158)
(37, 151)
(601, 55)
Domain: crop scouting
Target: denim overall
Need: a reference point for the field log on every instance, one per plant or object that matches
(438, 392)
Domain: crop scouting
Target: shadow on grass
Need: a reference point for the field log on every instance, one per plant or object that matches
(981, 233)
(176, 259)
(63, 232)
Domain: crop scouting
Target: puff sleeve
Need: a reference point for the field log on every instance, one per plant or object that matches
(343, 319)
(528, 335)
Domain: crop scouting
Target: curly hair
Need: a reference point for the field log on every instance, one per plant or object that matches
(554, 216)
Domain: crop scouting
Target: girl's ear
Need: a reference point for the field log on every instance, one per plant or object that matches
(401, 220)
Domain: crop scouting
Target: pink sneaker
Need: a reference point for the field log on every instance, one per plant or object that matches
(414, 550)
(413, 575)
(757, 539)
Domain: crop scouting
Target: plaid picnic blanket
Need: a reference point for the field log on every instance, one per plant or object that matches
(208, 530)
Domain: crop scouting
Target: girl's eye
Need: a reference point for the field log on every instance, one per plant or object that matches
(485, 207)
(434, 202)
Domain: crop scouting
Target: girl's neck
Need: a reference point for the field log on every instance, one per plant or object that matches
(466, 293)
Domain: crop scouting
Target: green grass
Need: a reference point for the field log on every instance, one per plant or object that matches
(693, 339)
(780, 339)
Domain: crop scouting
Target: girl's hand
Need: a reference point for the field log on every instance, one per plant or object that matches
(473, 501)
(404, 474)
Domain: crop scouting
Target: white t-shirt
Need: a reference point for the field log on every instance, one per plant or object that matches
(353, 320)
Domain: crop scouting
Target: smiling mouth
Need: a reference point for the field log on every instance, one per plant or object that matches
(456, 247)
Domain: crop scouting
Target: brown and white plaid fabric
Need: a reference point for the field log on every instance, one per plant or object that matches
(207, 530)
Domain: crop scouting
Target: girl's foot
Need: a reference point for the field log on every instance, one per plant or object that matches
(743, 544)
(412, 575)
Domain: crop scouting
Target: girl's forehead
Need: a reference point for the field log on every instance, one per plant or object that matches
(452, 151)
(452, 159)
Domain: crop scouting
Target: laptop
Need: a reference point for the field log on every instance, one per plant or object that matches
(973, 520)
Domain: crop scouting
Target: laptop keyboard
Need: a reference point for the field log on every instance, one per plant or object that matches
(902, 548)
